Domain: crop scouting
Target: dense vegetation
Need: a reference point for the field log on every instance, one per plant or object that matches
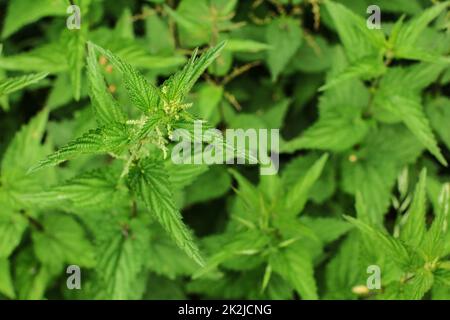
(86, 177)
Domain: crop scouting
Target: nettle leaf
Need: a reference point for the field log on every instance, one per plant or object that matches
(96, 189)
(112, 138)
(331, 132)
(249, 242)
(409, 33)
(76, 44)
(345, 271)
(206, 103)
(295, 265)
(177, 86)
(11, 85)
(373, 169)
(358, 40)
(434, 243)
(16, 17)
(296, 169)
(365, 68)
(340, 125)
(24, 149)
(413, 229)
(121, 254)
(12, 226)
(412, 114)
(158, 34)
(143, 95)
(284, 35)
(166, 258)
(327, 229)
(6, 282)
(297, 197)
(438, 111)
(106, 108)
(62, 241)
(150, 182)
(49, 58)
(393, 247)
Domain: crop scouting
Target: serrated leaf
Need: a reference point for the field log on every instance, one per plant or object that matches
(97, 189)
(75, 59)
(150, 182)
(121, 257)
(409, 33)
(434, 243)
(106, 108)
(297, 197)
(332, 131)
(412, 114)
(12, 226)
(413, 229)
(284, 35)
(358, 40)
(11, 85)
(294, 264)
(244, 242)
(111, 138)
(143, 95)
(178, 85)
(365, 68)
(62, 241)
(394, 248)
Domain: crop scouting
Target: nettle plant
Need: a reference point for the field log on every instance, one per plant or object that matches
(364, 117)
(267, 250)
(415, 257)
(139, 175)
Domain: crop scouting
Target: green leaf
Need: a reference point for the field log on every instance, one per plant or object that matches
(243, 243)
(48, 58)
(6, 284)
(142, 94)
(358, 40)
(159, 37)
(11, 85)
(75, 59)
(62, 241)
(246, 45)
(150, 182)
(178, 85)
(206, 104)
(23, 12)
(297, 197)
(365, 68)
(166, 258)
(332, 131)
(438, 112)
(121, 254)
(284, 35)
(12, 226)
(409, 33)
(413, 229)
(95, 189)
(435, 240)
(106, 108)
(294, 264)
(412, 114)
(112, 138)
(394, 248)
(26, 149)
